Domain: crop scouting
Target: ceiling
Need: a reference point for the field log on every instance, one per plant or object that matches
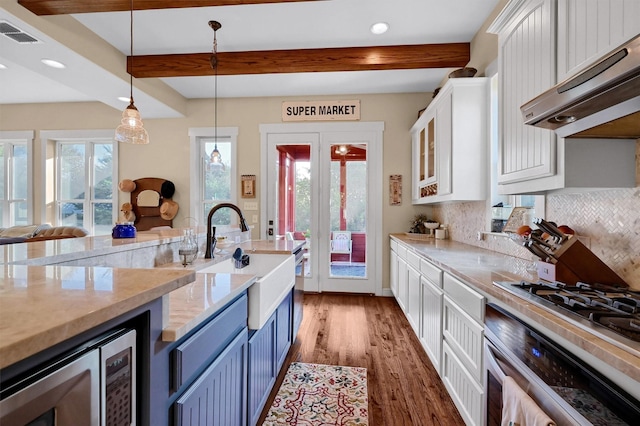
(94, 47)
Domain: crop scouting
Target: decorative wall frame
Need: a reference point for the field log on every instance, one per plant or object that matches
(248, 186)
(395, 190)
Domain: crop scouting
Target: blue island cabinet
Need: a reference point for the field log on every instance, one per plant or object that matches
(208, 371)
(268, 348)
(217, 398)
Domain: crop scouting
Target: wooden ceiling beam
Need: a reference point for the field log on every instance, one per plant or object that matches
(451, 55)
(66, 7)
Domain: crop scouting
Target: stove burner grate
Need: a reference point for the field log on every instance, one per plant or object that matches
(613, 307)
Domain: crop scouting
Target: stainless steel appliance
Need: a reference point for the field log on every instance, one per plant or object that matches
(611, 313)
(568, 390)
(601, 101)
(94, 384)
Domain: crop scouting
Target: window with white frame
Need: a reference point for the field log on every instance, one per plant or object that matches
(213, 181)
(16, 181)
(86, 177)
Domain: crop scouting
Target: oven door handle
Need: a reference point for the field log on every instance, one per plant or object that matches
(492, 363)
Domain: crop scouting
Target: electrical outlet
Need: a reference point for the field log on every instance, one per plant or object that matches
(254, 218)
(251, 205)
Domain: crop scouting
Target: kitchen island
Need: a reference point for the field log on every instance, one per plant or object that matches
(46, 311)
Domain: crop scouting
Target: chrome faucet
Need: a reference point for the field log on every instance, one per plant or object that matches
(211, 232)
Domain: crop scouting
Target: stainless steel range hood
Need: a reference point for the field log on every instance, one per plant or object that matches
(602, 101)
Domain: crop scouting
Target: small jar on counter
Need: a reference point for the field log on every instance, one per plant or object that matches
(442, 233)
(124, 230)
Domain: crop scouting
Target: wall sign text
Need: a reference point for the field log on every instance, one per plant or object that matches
(321, 110)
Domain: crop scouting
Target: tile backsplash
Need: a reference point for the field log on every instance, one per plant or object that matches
(610, 219)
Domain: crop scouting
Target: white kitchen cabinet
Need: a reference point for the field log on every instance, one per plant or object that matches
(463, 342)
(402, 278)
(413, 307)
(423, 136)
(539, 43)
(590, 29)
(447, 315)
(465, 391)
(393, 269)
(450, 144)
(431, 317)
(526, 68)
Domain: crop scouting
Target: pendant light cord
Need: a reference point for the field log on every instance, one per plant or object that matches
(215, 154)
(131, 50)
(215, 87)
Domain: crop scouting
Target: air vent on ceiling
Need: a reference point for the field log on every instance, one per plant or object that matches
(16, 34)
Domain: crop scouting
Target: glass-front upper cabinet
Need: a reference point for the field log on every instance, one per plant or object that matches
(430, 152)
(427, 154)
(424, 157)
(450, 144)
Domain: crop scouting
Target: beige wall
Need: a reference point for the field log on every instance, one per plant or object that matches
(484, 46)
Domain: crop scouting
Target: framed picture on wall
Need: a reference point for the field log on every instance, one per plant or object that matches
(395, 190)
(248, 186)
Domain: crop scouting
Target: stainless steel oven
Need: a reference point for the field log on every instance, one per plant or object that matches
(94, 384)
(568, 390)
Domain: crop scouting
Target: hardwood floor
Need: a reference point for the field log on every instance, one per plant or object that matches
(372, 332)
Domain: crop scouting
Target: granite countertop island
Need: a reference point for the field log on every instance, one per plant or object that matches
(480, 268)
(42, 305)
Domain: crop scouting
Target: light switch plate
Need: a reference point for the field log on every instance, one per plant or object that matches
(250, 205)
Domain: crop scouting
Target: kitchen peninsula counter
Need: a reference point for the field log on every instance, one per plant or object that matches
(480, 268)
(160, 247)
(43, 304)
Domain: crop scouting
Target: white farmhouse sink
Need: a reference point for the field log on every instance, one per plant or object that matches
(275, 278)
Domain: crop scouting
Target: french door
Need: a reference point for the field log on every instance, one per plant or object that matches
(323, 185)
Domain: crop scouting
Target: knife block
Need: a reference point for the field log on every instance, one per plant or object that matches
(576, 263)
(556, 272)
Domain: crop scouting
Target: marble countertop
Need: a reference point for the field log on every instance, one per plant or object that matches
(42, 253)
(193, 303)
(41, 306)
(480, 268)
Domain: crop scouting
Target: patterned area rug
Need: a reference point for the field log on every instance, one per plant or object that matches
(321, 395)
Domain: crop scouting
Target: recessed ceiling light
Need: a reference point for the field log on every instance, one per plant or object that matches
(124, 98)
(379, 28)
(3, 67)
(53, 64)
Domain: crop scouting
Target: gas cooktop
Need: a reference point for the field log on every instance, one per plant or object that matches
(612, 313)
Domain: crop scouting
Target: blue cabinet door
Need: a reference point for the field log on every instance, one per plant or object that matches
(284, 319)
(262, 367)
(268, 348)
(218, 396)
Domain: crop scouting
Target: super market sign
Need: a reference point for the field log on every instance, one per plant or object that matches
(321, 110)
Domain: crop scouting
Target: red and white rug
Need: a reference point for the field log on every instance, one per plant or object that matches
(321, 395)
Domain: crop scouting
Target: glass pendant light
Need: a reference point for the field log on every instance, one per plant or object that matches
(131, 129)
(216, 158)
